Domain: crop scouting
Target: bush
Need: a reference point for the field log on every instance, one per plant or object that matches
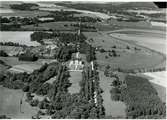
(3, 53)
(34, 102)
(25, 88)
(141, 98)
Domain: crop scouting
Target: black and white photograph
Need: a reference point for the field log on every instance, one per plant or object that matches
(67, 59)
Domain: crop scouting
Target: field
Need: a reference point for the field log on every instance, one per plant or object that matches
(9, 104)
(116, 25)
(75, 78)
(22, 66)
(129, 58)
(112, 108)
(11, 50)
(22, 38)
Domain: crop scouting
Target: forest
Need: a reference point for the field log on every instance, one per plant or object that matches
(142, 99)
(24, 6)
(63, 37)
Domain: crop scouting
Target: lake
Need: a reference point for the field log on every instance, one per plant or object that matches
(147, 11)
(22, 38)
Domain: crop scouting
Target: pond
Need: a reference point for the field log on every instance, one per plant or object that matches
(22, 38)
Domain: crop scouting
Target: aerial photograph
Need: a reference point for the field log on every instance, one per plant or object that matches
(82, 60)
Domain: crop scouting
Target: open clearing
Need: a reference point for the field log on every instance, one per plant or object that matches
(75, 78)
(14, 61)
(112, 108)
(22, 38)
(11, 50)
(22, 66)
(130, 59)
(9, 104)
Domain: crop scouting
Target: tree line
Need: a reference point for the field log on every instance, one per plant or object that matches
(140, 97)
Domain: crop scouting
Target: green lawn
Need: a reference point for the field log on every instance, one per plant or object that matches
(112, 108)
(128, 59)
(75, 78)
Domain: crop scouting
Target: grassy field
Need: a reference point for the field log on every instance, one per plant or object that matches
(11, 50)
(75, 78)
(9, 104)
(128, 58)
(112, 108)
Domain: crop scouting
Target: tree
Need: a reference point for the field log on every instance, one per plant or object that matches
(26, 88)
(3, 53)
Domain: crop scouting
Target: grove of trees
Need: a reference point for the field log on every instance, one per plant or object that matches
(141, 99)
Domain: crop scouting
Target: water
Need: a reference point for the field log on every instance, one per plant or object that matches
(147, 11)
(52, 7)
(161, 24)
(22, 38)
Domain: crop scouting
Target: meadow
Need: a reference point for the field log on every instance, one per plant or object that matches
(129, 58)
(22, 66)
(10, 104)
(112, 108)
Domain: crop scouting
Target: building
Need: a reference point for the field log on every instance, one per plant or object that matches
(76, 63)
